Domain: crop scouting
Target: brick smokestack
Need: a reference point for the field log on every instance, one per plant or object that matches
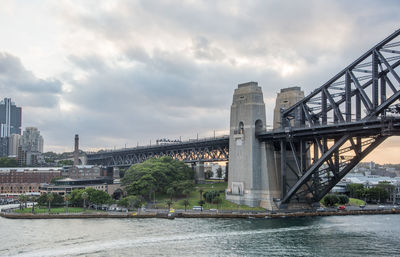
(76, 150)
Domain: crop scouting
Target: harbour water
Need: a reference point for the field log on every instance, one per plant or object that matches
(375, 235)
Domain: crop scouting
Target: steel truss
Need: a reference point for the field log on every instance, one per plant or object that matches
(325, 134)
(207, 150)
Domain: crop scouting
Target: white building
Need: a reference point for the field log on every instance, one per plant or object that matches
(31, 140)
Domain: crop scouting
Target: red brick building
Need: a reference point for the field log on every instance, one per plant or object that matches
(23, 180)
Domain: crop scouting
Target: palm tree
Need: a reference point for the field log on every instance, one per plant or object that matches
(169, 203)
(67, 197)
(171, 192)
(21, 199)
(50, 198)
(186, 203)
(85, 196)
(186, 192)
(33, 200)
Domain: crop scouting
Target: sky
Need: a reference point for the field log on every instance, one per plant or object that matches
(122, 73)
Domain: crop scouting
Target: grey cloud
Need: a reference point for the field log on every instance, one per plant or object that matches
(16, 81)
(168, 93)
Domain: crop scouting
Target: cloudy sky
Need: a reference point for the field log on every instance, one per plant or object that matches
(127, 72)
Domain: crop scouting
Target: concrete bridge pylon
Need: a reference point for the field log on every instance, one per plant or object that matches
(254, 178)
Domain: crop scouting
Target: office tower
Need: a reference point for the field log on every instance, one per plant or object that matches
(13, 144)
(10, 118)
(31, 140)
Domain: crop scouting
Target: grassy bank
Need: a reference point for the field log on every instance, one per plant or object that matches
(54, 210)
(356, 202)
(194, 197)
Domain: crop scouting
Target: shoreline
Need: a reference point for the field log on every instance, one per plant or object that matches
(164, 215)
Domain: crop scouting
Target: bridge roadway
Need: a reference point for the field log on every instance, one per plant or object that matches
(387, 127)
(192, 151)
(217, 149)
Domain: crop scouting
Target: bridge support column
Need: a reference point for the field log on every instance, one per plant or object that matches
(252, 168)
(199, 172)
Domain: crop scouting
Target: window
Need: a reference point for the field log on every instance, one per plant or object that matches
(241, 127)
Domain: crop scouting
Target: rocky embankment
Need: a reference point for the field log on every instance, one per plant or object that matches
(12, 215)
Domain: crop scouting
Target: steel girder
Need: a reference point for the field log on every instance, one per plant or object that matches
(327, 133)
(203, 150)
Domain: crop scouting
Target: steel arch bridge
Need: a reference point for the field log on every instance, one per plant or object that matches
(192, 151)
(331, 130)
(322, 137)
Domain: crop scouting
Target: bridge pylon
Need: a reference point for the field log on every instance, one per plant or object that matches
(253, 179)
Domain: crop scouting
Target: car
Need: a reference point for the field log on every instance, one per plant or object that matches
(341, 207)
(197, 208)
(320, 209)
(381, 207)
(362, 206)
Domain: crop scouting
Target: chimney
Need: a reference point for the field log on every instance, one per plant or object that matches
(76, 151)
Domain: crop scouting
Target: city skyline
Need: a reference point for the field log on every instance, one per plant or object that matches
(125, 72)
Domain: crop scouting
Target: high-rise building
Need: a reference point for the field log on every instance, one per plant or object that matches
(13, 144)
(31, 140)
(10, 118)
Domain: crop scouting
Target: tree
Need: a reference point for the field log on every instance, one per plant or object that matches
(157, 174)
(210, 195)
(8, 162)
(330, 199)
(356, 190)
(186, 192)
(208, 174)
(131, 202)
(343, 199)
(22, 199)
(33, 200)
(50, 198)
(65, 163)
(67, 198)
(169, 203)
(216, 201)
(201, 194)
(171, 192)
(219, 172)
(201, 203)
(186, 203)
(84, 196)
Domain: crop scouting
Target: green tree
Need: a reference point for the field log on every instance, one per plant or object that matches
(84, 196)
(50, 198)
(186, 192)
(169, 203)
(219, 172)
(65, 163)
(8, 162)
(131, 202)
(343, 199)
(67, 198)
(356, 190)
(142, 186)
(216, 201)
(22, 199)
(330, 199)
(201, 203)
(210, 195)
(171, 192)
(33, 199)
(186, 203)
(156, 174)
